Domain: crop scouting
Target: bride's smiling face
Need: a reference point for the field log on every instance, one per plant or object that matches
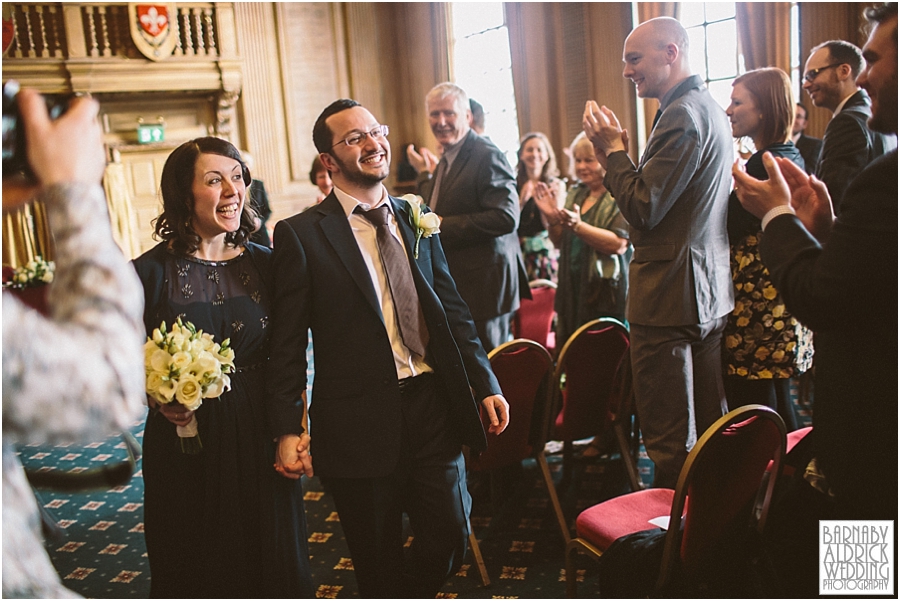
(219, 192)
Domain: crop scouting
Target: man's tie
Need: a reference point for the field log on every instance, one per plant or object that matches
(439, 174)
(403, 291)
(656, 118)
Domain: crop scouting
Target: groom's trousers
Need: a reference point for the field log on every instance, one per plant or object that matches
(429, 485)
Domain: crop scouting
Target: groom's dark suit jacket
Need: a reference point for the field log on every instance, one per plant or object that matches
(322, 283)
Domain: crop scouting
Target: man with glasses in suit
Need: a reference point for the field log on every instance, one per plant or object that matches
(398, 366)
(848, 145)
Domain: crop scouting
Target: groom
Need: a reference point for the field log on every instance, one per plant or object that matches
(397, 360)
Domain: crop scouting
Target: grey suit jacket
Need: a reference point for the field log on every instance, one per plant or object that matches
(849, 145)
(676, 202)
(479, 207)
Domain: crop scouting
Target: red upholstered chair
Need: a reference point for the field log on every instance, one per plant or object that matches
(721, 479)
(534, 318)
(524, 369)
(793, 438)
(592, 385)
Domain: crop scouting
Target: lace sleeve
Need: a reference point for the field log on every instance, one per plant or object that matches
(78, 373)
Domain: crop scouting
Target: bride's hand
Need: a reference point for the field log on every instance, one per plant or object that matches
(174, 412)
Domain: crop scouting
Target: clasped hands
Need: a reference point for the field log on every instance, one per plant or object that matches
(292, 458)
(788, 185)
(602, 128)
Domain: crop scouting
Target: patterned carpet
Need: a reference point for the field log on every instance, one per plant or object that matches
(102, 554)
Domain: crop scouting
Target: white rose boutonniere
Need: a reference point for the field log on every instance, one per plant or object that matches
(425, 224)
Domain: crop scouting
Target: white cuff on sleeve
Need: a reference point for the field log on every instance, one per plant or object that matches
(773, 213)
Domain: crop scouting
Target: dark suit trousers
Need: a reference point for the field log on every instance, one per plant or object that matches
(429, 485)
(678, 390)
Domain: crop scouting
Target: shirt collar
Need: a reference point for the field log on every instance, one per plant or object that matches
(693, 81)
(451, 151)
(349, 203)
(840, 107)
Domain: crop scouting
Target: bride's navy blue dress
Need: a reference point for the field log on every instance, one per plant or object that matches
(223, 523)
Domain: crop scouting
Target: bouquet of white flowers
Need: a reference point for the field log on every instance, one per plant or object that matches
(35, 273)
(186, 365)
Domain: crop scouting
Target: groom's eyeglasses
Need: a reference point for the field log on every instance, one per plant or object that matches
(358, 138)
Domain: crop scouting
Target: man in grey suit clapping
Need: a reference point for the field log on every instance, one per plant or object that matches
(676, 201)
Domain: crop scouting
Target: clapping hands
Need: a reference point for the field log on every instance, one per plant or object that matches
(788, 185)
(602, 128)
(424, 160)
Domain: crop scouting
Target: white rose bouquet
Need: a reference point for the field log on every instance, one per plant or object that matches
(425, 224)
(35, 273)
(186, 365)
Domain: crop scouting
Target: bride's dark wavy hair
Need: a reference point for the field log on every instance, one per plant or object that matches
(174, 224)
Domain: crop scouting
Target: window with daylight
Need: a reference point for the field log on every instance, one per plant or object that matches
(482, 66)
(712, 32)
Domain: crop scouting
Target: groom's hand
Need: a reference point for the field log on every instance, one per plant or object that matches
(498, 413)
(292, 458)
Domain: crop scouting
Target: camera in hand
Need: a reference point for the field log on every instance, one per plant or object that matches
(15, 157)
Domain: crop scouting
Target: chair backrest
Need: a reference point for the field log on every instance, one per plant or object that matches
(534, 318)
(719, 483)
(523, 368)
(586, 376)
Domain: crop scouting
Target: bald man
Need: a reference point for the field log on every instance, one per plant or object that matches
(676, 201)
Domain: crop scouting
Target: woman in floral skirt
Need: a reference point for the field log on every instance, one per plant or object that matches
(763, 345)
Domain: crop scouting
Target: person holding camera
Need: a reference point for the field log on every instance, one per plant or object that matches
(77, 374)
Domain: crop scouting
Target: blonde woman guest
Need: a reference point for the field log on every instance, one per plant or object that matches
(594, 248)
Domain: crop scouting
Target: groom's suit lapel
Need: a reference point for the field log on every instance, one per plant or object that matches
(339, 235)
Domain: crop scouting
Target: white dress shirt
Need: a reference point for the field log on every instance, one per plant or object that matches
(408, 363)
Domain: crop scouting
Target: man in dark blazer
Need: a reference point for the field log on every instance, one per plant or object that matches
(389, 422)
(473, 190)
(809, 147)
(676, 202)
(848, 145)
(850, 302)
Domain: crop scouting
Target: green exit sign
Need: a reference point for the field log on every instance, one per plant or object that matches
(148, 134)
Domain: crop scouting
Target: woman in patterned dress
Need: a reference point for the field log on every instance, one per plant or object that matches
(763, 345)
(537, 164)
(221, 523)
